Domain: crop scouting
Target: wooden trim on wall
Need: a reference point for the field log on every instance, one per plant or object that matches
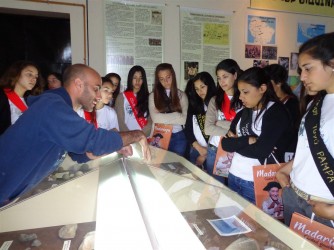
(70, 4)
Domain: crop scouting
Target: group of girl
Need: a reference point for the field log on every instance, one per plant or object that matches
(252, 113)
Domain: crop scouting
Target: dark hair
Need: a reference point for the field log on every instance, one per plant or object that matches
(161, 101)
(256, 76)
(105, 79)
(142, 95)
(320, 48)
(193, 97)
(57, 75)
(232, 67)
(279, 75)
(117, 90)
(13, 73)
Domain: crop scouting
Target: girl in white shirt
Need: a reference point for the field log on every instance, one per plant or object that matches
(308, 179)
(169, 105)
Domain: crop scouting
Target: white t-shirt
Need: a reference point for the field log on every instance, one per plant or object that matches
(305, 174)
(106, 117)
(242, 166)
(15, 113)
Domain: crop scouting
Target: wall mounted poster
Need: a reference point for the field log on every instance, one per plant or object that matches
(134, 36)
(205, 40)
(308, 30)
(261, 30)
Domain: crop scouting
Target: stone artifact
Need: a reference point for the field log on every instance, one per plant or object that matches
(68, 231)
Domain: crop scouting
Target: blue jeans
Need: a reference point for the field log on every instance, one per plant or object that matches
(242, 187)
(210, 162)
(293, 203)
(193, 154)
(178, 143)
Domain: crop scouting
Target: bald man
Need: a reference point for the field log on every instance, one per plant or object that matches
(38, 142)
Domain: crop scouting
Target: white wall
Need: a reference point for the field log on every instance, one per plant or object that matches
(285, 36)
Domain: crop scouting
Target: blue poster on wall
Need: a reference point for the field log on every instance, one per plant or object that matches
(261, 30)
(308, 30)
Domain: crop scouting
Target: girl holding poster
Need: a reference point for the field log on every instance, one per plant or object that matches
(256, 131)
(308, 180)
(132, 106)
(169, 105)
(219, 114)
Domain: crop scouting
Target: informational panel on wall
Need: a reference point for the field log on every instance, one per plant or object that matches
(205, 41)
(134, 36)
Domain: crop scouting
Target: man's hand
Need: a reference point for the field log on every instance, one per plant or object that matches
(126, 151)
(129, 137)
(322, 209)
(145, 148)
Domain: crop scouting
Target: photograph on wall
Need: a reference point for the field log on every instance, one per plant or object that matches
(261, 30)
(284, 61)
(269, 52)
(190, 70)
(293, 60)
(252, 51)
(260, 63)
(205, 39)
(305, 31)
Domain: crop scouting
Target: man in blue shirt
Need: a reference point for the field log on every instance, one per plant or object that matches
(36, 144)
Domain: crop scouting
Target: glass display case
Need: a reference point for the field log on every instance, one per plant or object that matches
(128, 203)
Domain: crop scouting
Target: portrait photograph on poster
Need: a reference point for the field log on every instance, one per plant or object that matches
(190, 70)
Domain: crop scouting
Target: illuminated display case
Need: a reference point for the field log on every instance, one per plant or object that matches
(166, 203)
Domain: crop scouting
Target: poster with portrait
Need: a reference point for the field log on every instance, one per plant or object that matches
(223, 161)
(161, 135)
(268, 192)
(314, 231)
